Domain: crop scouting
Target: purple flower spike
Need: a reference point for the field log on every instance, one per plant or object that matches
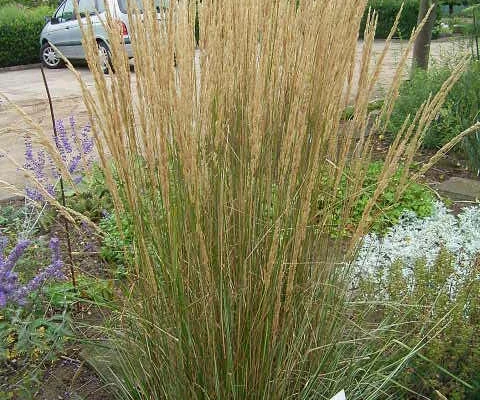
(33, 194)
(3, 298)
(61, 141)
(50, 189)
(55, 248)
(53, 168)
(87, 141)
(72, 148)
(3, 244)
(38, 166)
(10, 290)
(74, 164)
(72, 128)
(28, 153)
(15, 254)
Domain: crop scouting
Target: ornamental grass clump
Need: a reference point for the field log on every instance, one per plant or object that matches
(218, 153)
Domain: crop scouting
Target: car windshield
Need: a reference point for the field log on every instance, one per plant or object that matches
(159, 4)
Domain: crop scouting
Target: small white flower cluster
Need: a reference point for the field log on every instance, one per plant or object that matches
(416, 238)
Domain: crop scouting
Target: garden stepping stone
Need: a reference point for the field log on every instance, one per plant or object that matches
(459, 189)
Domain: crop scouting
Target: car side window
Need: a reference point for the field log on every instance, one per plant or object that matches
(68, 11)
(87, 7)
(100, 6)
(57, 17)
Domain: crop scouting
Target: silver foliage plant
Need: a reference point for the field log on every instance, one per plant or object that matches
(416, 238)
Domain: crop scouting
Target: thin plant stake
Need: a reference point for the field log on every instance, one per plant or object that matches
(62, 188)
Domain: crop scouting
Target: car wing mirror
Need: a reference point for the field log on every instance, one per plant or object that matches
(47, 19)
(83, 14)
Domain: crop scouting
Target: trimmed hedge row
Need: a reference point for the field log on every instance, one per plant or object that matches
(29, 3)
(20, 34)
(387, 12)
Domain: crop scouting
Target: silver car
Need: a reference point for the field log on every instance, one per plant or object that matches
(63, 30)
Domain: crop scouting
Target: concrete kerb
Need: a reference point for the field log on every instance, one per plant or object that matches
(6, 200)
(19, 67)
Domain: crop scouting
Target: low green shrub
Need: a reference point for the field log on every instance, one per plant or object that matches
(387, 12)
(117, 243)
(20, 32)
(412, 94)
(35, 335)
(30, 337)
(417, 198)
(448, 302)
(11, 219)
(460, 110)
(90, 197)
(90, 290)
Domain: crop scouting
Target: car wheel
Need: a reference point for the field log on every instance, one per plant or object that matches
(49, 57)
(105, 59)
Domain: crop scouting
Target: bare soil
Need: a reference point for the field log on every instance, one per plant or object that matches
(71, 378)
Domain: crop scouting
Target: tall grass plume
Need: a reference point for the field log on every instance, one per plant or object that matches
(219, 154)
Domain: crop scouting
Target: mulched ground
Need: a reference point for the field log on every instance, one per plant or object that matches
(71, 377)
(452, 165)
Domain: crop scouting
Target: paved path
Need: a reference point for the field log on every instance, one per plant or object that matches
(26, 89)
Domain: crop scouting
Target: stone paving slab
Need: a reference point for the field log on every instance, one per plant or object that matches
(460, 189)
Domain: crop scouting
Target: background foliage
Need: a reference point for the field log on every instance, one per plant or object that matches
(460, 110)
(29, 3)
(20, 30)
(387, 12)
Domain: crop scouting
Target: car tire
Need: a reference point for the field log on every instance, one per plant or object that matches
(105, 57)
(49, 57)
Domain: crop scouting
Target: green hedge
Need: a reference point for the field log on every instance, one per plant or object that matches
(29, 3)
(20, 34)
(387, 12)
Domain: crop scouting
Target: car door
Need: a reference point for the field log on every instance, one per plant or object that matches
(85, 7)
(63, 33)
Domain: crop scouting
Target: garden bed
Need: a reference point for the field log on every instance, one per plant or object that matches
(63, 373)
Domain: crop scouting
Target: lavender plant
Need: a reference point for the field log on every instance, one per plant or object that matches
(11, 290)
(74, 158)
(75, 149)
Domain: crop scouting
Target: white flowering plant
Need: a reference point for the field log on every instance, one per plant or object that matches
(428, 270)
(416, 238)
